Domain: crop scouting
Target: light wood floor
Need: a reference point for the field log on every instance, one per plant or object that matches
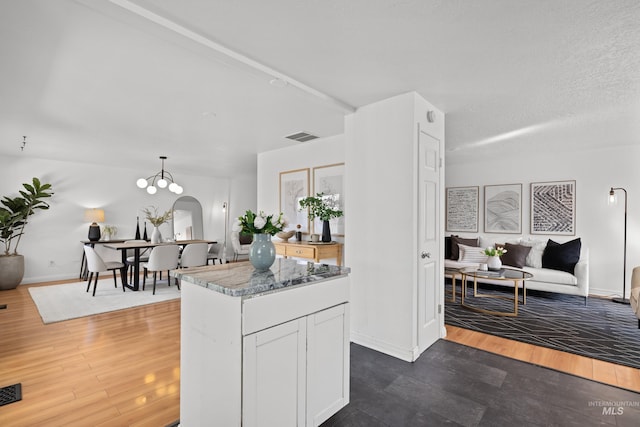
(122, 368)
(112, 369)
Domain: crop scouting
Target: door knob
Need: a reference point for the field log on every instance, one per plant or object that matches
(425, 255)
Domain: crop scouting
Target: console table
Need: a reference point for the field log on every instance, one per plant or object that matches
(310, 250)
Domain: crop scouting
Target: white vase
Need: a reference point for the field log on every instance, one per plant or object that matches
(156, 237)
(494, 263)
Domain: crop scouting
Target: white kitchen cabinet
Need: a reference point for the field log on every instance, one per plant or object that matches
(252, 357)
(294, 373)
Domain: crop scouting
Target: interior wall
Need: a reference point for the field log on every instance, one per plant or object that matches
(51, 243)
(318, 152)
(382, 195)
(599, 225)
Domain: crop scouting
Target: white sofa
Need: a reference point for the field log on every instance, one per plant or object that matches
(544, 279)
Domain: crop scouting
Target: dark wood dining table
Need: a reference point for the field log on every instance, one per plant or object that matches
(137, 247)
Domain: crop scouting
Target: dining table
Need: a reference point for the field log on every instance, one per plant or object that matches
(137, 248)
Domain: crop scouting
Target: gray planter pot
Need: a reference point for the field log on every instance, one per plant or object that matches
(11, 271)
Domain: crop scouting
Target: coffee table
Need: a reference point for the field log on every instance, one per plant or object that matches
(453, 273)
(518, 277)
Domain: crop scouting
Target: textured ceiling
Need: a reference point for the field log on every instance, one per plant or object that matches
(88, 76)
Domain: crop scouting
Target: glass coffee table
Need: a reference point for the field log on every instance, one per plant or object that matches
(508, 274)
(453, 273)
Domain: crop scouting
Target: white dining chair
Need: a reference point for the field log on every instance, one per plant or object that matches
(95, 264)
(131, 259)
(161, 258)
(214, 253)
(238, 249)
(194, 255)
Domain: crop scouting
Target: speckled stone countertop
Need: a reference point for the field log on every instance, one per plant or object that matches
(240, 279)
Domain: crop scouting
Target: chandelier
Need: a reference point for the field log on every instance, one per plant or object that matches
(162, 179)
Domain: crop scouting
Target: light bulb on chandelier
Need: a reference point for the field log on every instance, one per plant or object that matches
(162, 179)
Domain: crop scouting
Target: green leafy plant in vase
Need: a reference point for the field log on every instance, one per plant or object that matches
(14, 214)
(323, 207)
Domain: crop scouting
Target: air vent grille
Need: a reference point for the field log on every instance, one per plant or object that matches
(301, 136)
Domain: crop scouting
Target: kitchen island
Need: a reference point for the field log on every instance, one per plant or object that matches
(263, 348)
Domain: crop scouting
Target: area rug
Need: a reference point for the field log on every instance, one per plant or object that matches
(69, 301)
(601, 330)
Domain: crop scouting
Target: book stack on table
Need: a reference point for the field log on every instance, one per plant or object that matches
(490, 273)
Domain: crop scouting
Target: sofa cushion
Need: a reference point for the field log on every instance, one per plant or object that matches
(472, 254)
(516, 255)
(456, 240)
(562, 256)
(548, 275)
(534, 259)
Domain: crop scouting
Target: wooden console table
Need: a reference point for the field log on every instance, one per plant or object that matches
(308, 250)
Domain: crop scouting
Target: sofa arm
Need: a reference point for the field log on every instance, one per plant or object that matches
(581, 272)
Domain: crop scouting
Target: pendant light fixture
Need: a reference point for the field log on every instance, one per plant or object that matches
(162, 179)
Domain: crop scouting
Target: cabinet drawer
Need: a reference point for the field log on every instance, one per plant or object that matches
(300, 252)
(279, 307)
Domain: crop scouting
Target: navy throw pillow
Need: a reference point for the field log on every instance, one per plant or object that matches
(562, 256)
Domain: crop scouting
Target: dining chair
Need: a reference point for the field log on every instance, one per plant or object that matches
(161, 258)
(194, 255)
(214, 253)
(238, 249)
(131, 259)
(95, 264)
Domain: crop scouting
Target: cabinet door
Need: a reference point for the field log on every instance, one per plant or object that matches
(274, 381)
(327, 363)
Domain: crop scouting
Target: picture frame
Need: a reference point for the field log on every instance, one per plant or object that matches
(462, 207)
(329, 180)
(503, 208)
(553, 208)
(294, 186)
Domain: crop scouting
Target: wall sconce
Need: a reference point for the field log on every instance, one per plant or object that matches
(94, 216)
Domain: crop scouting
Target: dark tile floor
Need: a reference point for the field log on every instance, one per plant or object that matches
(451, 384)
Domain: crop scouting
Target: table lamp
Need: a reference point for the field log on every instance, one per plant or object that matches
(94, 216)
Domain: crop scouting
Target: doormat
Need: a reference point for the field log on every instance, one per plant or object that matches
(10, 394)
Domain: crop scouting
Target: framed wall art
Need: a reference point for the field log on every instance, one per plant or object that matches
(294, 185)
(553, 208)
(329, 180)
(462, 205)
(503, 208)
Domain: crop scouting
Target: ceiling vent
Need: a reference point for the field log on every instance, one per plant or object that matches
(301, 137)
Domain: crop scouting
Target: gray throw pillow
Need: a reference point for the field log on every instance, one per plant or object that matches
(516, 255)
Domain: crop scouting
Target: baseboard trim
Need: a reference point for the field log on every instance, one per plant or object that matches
(383, 347)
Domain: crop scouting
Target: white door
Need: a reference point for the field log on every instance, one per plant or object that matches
(274, 378)
(428, 239)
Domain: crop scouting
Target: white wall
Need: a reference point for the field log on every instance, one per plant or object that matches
(598, 225)
(318, 152)
(51, 244)
(382, 222)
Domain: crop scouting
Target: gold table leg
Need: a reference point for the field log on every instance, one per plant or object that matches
(515, 298)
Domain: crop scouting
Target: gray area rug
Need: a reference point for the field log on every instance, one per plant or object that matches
(70, 300)
(601, 330)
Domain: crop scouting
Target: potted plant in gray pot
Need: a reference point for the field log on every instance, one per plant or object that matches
(323, 208)
(14, 214)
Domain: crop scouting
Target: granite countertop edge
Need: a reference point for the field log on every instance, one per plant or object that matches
(258, 283)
